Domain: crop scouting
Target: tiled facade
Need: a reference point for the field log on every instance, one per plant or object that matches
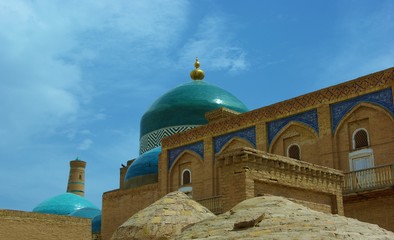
(173, 154)
(153, 139)
(248, 134)
(382, 98)
(308, 118)
(321, 123)
(363, 85)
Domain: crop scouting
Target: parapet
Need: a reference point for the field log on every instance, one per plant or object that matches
(247, 172)
(220, 114)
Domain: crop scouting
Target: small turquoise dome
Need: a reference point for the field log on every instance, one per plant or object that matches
(63, 204)
(182, 108)
(96, 224)
(87, 212)
(143, 170)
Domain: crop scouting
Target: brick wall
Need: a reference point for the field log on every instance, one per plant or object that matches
(232, 184)
(323, 145)
(380, 210)
(17, 225)
(246, 173)
(195, 164)
(319, 145)
(379, 125)
(304, 137)
(320, 99)
(315, 200)
(120, 205)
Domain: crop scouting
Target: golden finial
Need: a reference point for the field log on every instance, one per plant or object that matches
(197, 74)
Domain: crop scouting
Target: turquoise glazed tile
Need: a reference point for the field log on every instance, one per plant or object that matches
(145, 164)
(63, 204)
(187, 105)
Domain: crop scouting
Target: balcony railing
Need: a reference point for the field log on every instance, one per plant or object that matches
(214, 204)
(369, 179)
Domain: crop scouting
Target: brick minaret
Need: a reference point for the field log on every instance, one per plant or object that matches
(76, 179)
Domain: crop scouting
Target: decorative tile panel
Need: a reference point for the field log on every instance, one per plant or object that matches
(197, 147)
(340, 92)
(248, 134)
(308, 118)
(153, 139)
(383, 98)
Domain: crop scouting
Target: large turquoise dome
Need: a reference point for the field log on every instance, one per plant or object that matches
(182, 108)
(86, 212)
(63, 204)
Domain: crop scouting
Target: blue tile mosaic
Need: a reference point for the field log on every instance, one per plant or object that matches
(248, 134)
(308, 118)
(383, 98)
(96, 224)
(197, 147)
(147, 163)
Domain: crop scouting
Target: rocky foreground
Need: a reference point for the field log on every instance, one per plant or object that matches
(272, 217)
(163, 219)
(175, 216)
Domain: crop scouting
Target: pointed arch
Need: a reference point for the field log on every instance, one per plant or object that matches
(357, 107)
(183, 155)
(286, 127)
(368, 116)
(234, 143)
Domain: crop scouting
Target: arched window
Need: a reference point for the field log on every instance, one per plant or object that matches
(360, 139)
(186, 177)
(294, 152)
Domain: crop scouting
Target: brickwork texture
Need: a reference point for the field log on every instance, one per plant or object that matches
(17, 225)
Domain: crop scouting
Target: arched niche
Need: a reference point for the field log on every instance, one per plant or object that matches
(186, 161)
(377, 122)
(296, 133)
(234, 143)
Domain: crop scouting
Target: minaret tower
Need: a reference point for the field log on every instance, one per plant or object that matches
(76, 179)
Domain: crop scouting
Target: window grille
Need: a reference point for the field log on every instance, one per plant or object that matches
(294, 152)
(360, 139)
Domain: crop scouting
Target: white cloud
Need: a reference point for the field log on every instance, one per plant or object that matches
(38, 90)
(213, 41)
(85, 144)
(56, 59)
(45, 46)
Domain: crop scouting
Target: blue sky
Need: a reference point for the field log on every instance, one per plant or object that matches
(76, 76)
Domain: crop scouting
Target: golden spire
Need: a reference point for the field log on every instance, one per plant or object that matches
(197, 74)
